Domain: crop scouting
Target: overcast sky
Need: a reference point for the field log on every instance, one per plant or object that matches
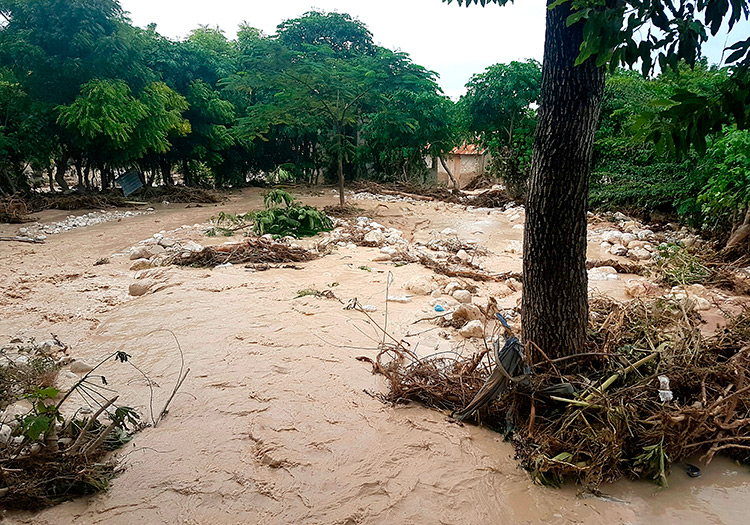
(454, 41)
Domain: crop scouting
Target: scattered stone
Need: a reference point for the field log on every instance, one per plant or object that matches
(140, 264)
(80, 367)
(472, 329)
(421, 285)
(140, 252)
(141, 287)
(399, 299)
(462, 296)
(468, 312)
(463, 255)
(638, 288)
(375, 237)
(618, 250)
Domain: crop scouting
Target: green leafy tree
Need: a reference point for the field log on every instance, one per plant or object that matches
(325, 82)
(499, 108)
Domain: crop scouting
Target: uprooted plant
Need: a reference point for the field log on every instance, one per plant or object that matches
(650, 391)
(51, 453)
(284, 215)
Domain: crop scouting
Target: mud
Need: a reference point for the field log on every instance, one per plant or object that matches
(274, 423)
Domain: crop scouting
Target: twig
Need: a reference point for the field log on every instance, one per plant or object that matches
(79, 441)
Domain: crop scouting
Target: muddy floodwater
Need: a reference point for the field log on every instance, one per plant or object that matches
(276, 423)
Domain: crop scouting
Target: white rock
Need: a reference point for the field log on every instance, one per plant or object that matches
(389, 250)
(399, 299)
(140, 264)
(645, 235)
(612, 237)
(462, 296)
(191, 246)
(639, 254)
(421, 285)
(449, 231)
(627, 238)
(472, 329)
(140, 252)
(468, 312)
(605, 246)
(463, 255)
(375, 237)
(619, 250)
(6, 432)
(452, 287)
(701, 304)
(80, 367)
(369, 308)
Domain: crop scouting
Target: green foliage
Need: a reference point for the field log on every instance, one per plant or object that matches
(677, 266)
(499, 111)
(284, 216)
(726, 197)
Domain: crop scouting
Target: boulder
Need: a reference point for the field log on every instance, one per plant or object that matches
(375, 237)
(140, 264)
(468, 312)
(141, 287)
(612, 237)
(472, 329)
(462, 296)
(420, 285)
(140, 252)
(80, 367)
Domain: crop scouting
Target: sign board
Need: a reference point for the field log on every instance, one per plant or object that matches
(130, 182)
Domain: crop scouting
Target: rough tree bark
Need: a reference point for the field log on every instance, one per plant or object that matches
(555, 292)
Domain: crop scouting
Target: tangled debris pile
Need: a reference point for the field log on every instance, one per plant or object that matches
(51, 451)
(252, 250)
(650, 391)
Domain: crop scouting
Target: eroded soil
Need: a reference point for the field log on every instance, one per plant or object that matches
(274, 423)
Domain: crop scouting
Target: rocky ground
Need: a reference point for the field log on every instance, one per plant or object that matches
(278, 422)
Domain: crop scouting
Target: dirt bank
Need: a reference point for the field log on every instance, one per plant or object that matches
(273, 424)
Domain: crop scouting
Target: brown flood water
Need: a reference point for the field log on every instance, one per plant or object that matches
(274, 423)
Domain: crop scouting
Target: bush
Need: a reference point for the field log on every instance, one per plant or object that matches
(285, 216)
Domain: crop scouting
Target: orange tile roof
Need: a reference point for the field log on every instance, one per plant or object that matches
(469, 149)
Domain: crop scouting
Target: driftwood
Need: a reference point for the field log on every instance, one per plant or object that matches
(22, 239)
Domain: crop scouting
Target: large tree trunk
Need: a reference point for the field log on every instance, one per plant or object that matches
(555, 292)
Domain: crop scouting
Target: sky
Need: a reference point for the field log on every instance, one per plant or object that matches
(453, 41)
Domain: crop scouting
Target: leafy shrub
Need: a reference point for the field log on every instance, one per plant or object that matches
(285, 216)
(679, 267)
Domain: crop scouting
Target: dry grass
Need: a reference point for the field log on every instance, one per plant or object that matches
(613, 424)
(252, 250)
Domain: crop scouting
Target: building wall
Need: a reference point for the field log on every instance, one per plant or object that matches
(465, 168)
